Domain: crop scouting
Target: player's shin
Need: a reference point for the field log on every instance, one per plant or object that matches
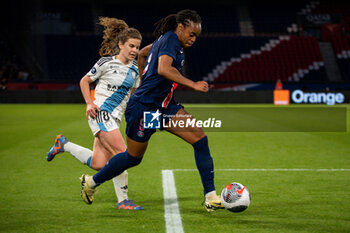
(121, 186)
(204, 164)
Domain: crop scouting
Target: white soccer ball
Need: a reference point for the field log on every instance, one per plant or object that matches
(235, 197)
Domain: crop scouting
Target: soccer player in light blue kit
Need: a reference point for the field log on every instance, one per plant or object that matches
(161, 75)
(117, 76)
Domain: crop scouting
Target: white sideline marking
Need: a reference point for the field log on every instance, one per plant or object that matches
(171, 208)
(275, 170)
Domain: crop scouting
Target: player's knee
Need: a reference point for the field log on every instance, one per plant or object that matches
(201, 141)
(197, 136)
(136, 154)
(119, 149)
(97, 164)
(201, 135)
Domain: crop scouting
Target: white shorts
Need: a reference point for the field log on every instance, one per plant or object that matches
(103, 121)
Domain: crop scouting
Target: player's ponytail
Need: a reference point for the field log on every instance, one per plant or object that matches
(170, 22)
(165, 24)
(112, 27)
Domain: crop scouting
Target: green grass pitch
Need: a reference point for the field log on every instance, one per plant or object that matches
(38, 196)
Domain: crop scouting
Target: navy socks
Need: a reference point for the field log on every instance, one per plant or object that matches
(204, 164)
(115, 166)
(124, 160)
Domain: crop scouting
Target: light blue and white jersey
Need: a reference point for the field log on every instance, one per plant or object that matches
(115, 81)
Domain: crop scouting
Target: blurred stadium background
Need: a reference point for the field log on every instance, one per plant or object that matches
(245, 47)
(47, 46)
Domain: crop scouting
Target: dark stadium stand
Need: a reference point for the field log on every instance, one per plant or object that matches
(341, 45)
(77, 13)
(71, 57)
(216, 18)
(331, 7)
(209, 52)
(273, 17)
(289, 58)
(223, 54)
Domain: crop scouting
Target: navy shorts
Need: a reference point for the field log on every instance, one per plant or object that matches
(134, 118)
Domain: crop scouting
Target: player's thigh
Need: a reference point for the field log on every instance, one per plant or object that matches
(112, 141)
(190, 134)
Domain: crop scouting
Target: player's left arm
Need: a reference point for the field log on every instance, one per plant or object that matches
(142, 57)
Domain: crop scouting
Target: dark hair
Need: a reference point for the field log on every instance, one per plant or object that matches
(171, 21)
(115, 30)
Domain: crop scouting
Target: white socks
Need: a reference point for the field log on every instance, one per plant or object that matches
(83, 154)
(79, 152)
(121, 186)
(210, 195)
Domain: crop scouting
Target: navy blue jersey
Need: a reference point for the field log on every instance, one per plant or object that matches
(154, 88)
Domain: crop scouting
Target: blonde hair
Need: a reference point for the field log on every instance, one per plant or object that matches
(115, 30)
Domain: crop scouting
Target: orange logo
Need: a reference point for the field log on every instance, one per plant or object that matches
(281, 97)
(240, 191)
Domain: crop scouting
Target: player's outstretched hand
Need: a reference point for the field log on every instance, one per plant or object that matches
(91, 110)
(201, 86)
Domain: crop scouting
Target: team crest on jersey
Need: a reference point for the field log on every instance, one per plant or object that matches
(93, 70)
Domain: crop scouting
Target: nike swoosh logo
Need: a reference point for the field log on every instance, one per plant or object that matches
(240, 191)
(90, 202)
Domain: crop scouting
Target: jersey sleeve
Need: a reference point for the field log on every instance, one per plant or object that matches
(170, 46)
(136, 70)
(97, 70)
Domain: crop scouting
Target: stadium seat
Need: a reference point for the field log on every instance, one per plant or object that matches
(287, 58)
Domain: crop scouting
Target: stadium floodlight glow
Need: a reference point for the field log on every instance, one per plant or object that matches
(298, 96)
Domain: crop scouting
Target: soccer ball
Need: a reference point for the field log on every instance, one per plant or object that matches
(235, 197)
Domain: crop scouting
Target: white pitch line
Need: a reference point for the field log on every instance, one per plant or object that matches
(171, 208)
(274, 169)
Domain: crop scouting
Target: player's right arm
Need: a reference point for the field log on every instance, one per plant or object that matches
(166, 70)
(91, 108)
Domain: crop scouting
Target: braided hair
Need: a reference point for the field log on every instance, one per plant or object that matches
(170, 22)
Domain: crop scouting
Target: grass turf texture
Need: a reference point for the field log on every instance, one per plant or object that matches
(38, 196)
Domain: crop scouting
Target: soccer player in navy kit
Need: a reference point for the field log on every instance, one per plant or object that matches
(161, 75)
